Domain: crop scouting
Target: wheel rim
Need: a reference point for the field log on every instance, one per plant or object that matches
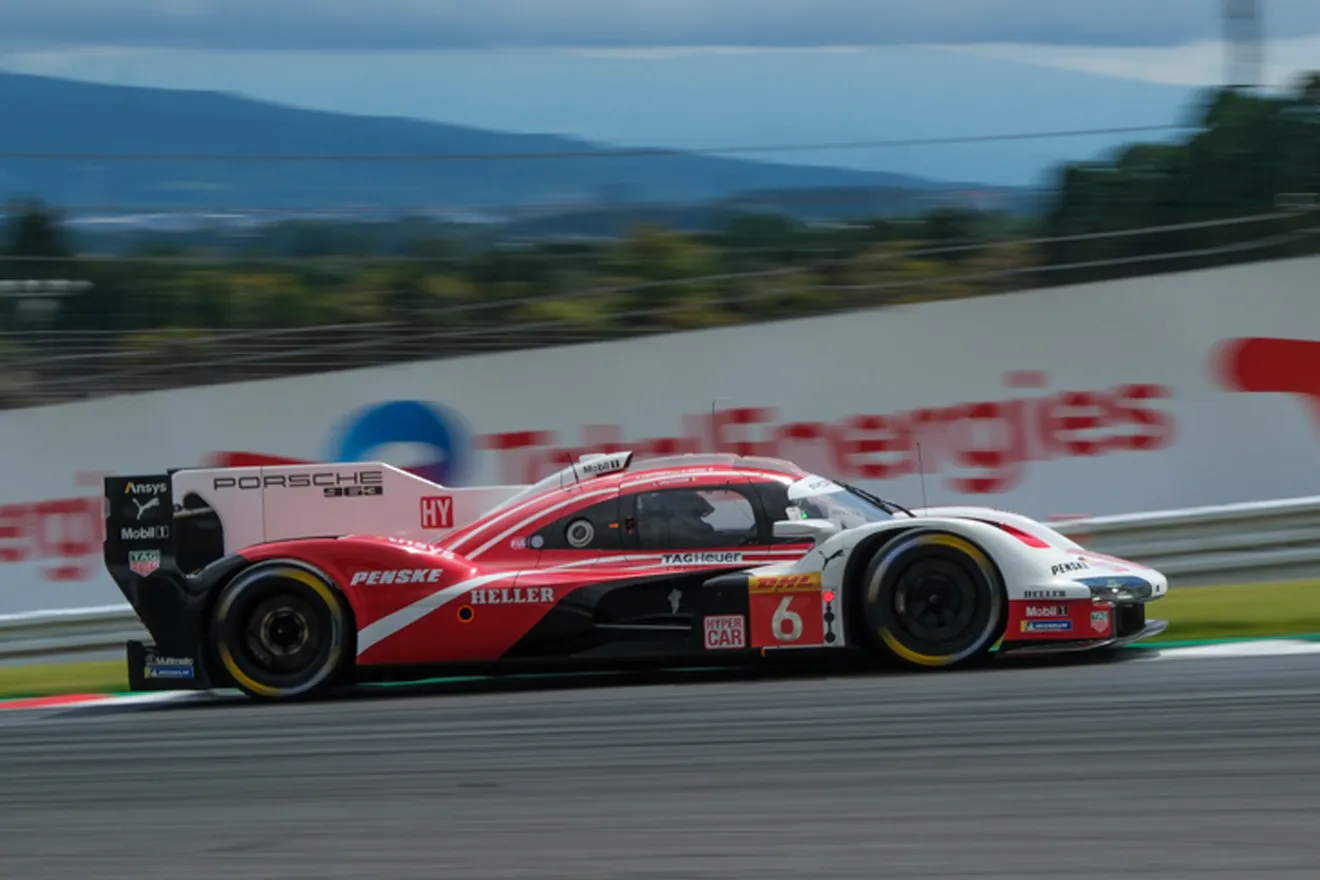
(283, 635)
(279, 630)
(938, 607)
(935, 603)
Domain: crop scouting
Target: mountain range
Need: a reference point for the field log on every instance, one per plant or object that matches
(46, 121)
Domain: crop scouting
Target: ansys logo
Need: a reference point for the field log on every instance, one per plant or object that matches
(1275, 366)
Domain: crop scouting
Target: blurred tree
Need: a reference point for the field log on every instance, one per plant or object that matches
(949, 228)
(36, 247)
(35, 230)
(598, 270)
(1248, 150)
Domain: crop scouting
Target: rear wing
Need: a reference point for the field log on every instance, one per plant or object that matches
(198, 515)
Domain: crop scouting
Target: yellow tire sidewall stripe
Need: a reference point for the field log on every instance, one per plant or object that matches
(956, 543)
(317, 586)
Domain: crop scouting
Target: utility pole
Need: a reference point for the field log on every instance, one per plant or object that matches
(1243, 38)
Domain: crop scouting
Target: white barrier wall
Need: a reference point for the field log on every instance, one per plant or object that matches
(1150, 393)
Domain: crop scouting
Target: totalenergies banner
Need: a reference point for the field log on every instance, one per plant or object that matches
(1145, 394)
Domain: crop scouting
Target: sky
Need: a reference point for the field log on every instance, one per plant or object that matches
(464, 24)
(689, 73)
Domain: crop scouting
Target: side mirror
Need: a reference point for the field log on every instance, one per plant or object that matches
(817, 530)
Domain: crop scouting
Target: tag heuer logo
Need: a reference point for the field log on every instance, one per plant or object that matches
(143, 562)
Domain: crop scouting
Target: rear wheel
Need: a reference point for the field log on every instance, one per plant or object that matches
(281, 631)
(933, 599)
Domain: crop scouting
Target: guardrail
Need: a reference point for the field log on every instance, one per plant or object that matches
(1206, 546)
(1213, 546)
(48, 635)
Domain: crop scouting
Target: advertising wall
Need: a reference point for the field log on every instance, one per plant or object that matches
(1150, 393)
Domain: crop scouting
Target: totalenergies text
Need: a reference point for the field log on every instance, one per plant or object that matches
(987, 445)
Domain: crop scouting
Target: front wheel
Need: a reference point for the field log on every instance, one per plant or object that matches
(281, 631)
(933, 599)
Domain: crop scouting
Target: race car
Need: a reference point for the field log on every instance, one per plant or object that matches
(288, 581)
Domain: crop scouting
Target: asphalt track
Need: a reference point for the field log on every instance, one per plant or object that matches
(1150, 768)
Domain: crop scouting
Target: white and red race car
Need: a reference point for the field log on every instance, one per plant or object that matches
(287, 581)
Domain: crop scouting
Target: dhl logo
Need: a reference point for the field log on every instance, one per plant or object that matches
(789, 583)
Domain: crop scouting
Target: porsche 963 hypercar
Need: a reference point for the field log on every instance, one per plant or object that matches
(287, 581)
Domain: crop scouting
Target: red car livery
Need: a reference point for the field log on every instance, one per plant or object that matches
(288, 581)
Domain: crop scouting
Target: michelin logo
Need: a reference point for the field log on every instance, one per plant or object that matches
(168, 667)
(1047, 626)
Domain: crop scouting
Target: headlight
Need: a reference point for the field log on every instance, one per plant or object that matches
(1118, 589)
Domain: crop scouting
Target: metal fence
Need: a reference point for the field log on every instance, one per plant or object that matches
(42, 367)
(1211, 546)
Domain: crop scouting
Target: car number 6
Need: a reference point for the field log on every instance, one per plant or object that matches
(792, 618)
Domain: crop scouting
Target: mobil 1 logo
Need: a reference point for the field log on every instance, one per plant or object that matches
(143, 534)
(332, 484)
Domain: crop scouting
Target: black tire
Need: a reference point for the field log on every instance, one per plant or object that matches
(281, 631)
(933, 599)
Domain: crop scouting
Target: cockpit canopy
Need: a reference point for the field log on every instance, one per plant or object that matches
(816, 497)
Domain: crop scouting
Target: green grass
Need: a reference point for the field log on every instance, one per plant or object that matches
(1290, 608)
(101, 677)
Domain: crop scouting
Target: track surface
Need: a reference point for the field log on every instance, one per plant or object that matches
(1145, 768)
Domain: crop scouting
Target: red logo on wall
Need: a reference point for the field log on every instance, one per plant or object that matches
(63, 535)
(985, 446)
(1272, 366)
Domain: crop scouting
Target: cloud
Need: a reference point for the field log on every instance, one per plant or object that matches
(619, 24)
(1197, 64)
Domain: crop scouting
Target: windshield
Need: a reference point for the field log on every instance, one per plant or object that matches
(818, 498)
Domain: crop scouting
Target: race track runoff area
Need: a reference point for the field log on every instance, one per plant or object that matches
(1177, 763)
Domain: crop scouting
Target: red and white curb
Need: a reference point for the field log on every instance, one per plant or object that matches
(87, 701)
(1220, 651)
